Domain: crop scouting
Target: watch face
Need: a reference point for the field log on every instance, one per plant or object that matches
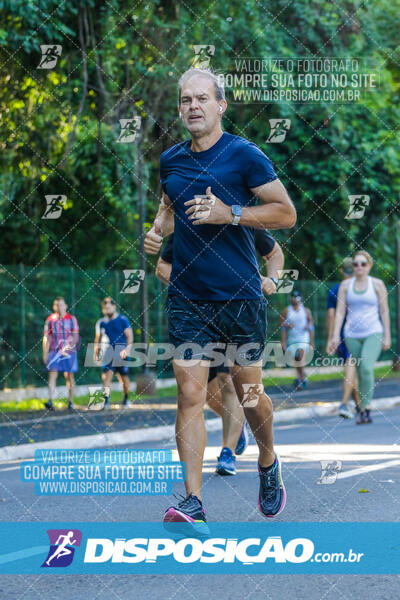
(236, 210)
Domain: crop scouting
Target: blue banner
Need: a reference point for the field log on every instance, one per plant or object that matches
(147, 548)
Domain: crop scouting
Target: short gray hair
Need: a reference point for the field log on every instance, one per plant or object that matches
(217, 79)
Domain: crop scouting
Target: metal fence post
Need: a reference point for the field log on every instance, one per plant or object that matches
(22, 347)
(72, 286)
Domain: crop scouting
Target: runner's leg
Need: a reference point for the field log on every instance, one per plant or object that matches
(214, 397)
(232, 412)
(260, 416)
(190, 426)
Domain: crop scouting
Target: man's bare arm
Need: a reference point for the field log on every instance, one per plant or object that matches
(276, 210)
(163, 271)
(163, 225)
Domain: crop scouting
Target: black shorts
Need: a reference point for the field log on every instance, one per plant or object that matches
(237, 326)
(213, 372)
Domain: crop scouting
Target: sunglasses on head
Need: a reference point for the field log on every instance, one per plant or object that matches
(363, 263)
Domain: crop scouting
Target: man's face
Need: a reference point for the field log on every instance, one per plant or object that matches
(108, 309)
(62, 307)
(199, 107)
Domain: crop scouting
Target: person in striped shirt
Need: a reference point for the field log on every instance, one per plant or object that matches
(60, 340)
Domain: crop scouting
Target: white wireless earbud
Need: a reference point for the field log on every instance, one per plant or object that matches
(180, 115)
(220, 109)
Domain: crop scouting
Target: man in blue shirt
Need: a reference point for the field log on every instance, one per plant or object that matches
(350, 383)
(211, 184)
(221, 394)
(116, 331)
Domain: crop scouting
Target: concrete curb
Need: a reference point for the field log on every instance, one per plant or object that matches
(165, 432)
(20, 394)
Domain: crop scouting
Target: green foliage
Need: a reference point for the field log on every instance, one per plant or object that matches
(121, 60)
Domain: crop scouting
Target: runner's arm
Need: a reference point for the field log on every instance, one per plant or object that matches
(46, 343)
(339, 317)
(163, 271)
(128, 333)
(163, 225)
(384, 312)
(282, 320)
(276, 210)
(274, 262)
(330, 319)
(97, 346)
(310, 326)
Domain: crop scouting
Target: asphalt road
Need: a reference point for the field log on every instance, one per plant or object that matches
(39, 426)
(301, 446)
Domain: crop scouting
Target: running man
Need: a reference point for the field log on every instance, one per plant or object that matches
(62, 549)
(350, 385)
(119, 332)
(221, 394)
(214, 294)
(297, 335)
(60, 340)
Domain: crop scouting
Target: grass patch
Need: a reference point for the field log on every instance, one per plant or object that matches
(37, 404)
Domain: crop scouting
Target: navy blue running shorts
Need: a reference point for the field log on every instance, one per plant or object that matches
(239, 328)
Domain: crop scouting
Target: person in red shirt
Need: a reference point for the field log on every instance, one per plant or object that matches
(60, 340)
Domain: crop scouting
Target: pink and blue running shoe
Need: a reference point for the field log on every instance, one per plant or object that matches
(272, 494)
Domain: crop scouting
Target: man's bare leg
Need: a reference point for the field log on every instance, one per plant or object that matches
(190, 428)
(214, 397)
(260, 416)
(232, 412)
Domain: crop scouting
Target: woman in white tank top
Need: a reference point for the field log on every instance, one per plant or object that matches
(363, 299)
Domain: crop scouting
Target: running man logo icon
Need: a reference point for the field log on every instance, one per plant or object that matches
(252, 393)
(97, 397)
(133, 278)
(62, 547)
(202, 56)
(279, 129)
(286, 279)
(329, 471)
(129, 130)
(357, 206)
(203, 206)
(54, 206)
(50, 56)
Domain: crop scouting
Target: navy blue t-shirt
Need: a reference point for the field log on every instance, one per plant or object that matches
(263, 241)
(114, 329)
(332, 302)
(214, 262)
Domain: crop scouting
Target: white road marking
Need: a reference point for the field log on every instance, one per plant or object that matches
(368, 468)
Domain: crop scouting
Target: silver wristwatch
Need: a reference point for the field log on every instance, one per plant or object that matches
(237, 213)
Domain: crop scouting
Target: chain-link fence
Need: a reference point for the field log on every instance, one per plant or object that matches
(26, 299)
